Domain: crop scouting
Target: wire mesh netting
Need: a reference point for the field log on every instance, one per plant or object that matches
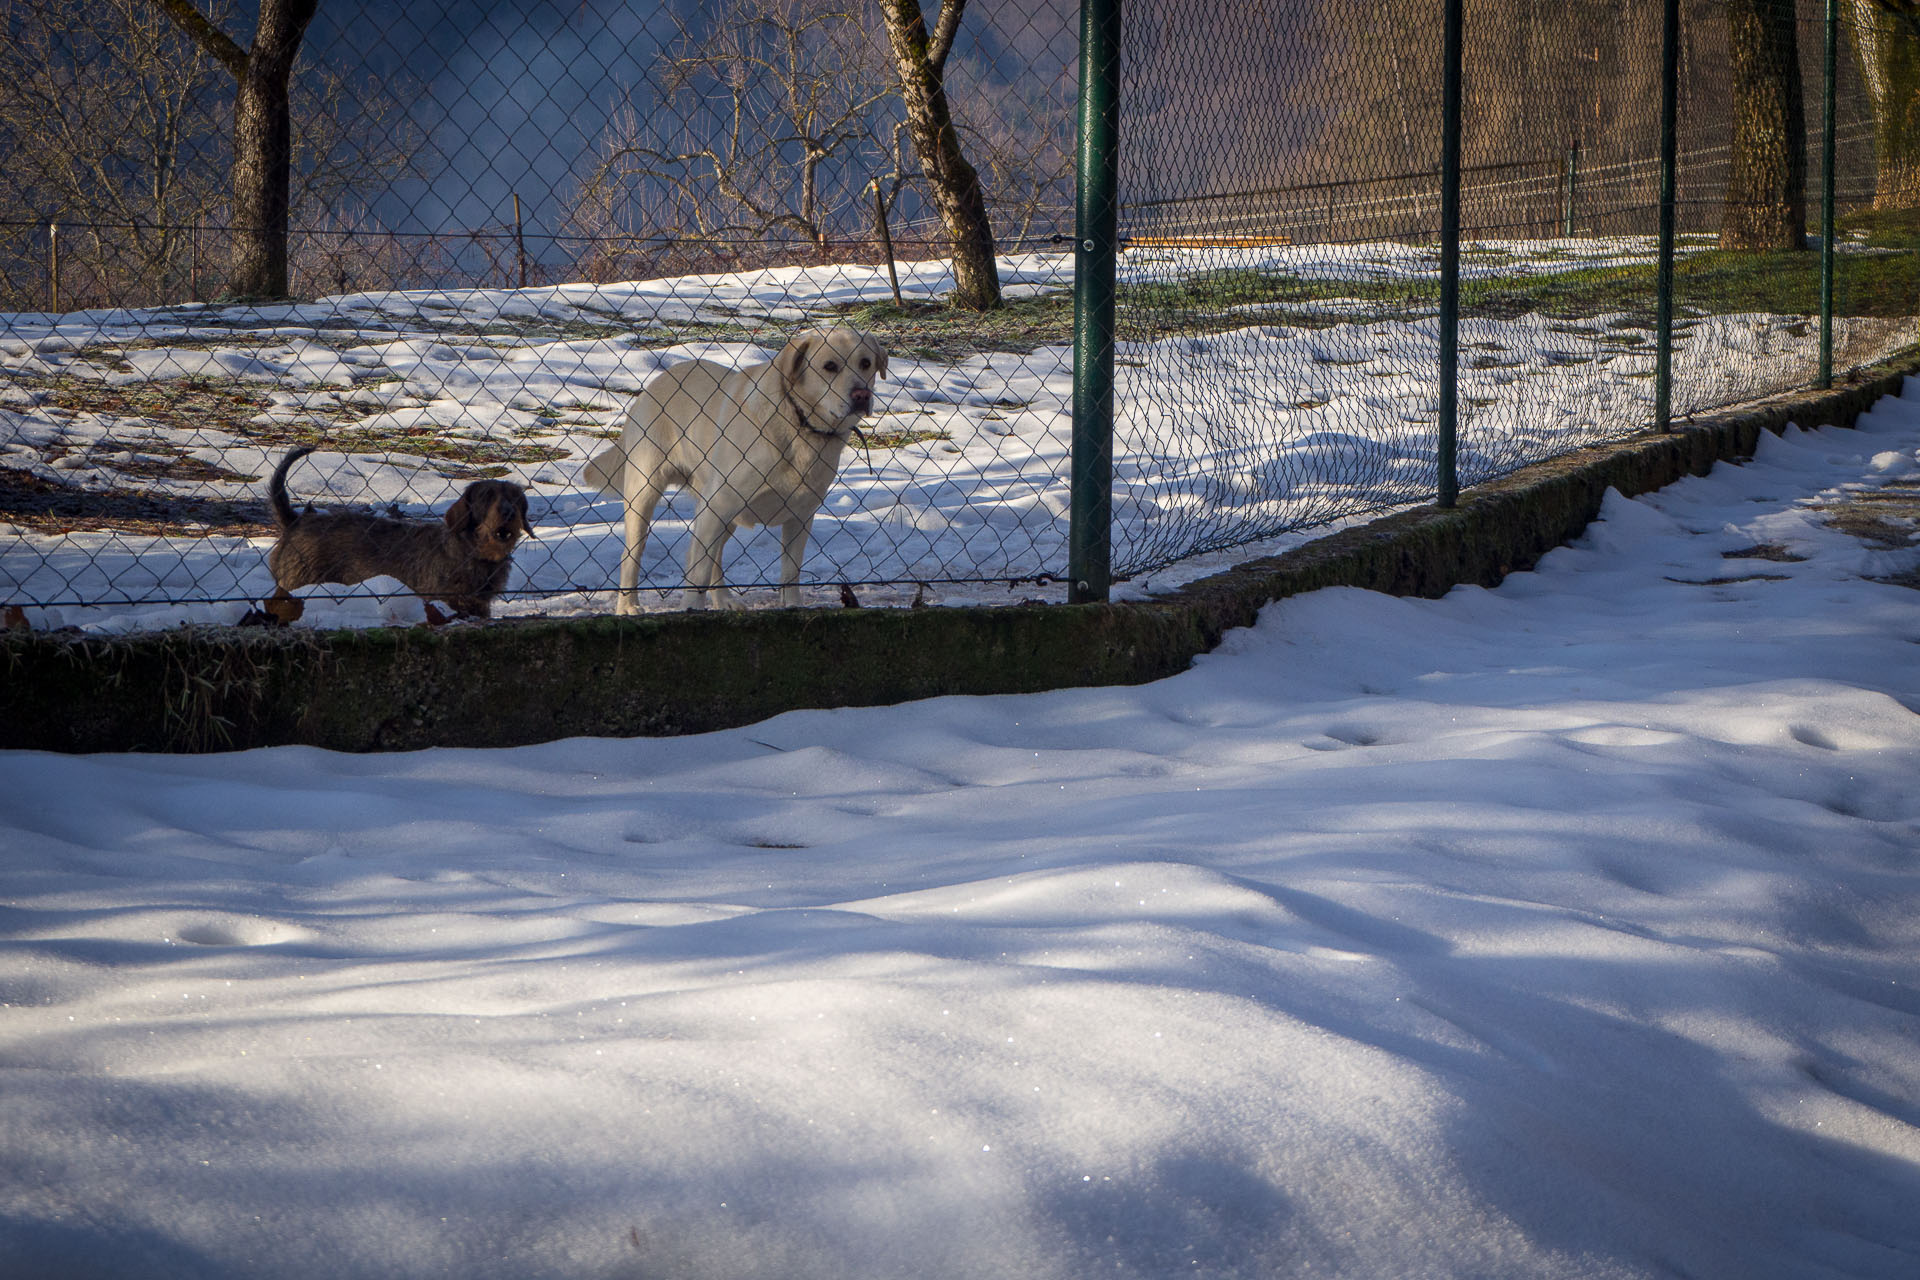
(1280, 191)
(597, 256)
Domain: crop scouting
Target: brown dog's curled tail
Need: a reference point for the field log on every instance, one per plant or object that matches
(283, 512)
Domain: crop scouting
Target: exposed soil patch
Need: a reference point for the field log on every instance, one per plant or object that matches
(1765, 551)
(1885, 518)
(1727, 582)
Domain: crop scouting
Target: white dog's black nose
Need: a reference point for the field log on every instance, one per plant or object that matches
(862, 399)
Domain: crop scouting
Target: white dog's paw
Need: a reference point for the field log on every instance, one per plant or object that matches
(725, 599)
(625, 604)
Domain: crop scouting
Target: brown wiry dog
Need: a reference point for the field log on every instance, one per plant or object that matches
(463, 560)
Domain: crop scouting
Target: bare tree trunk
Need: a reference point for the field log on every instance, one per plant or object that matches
(1766, 199)
(955, 183)
(262, 135)
(1886, 41)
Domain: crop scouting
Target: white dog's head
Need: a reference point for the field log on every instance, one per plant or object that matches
(829, 376)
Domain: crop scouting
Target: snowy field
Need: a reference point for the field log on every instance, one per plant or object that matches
(1567, 929)
(1264, 430)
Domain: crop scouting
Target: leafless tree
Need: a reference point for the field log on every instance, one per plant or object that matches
(118, 128)
(760, 133)
(262, 134)
(1766, 197)
(1886, 42)
(109, 119)
(1024, 149)
(920, 60)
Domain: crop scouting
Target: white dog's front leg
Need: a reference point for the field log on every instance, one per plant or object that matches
(793, 550)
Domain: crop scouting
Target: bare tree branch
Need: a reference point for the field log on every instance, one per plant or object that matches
(216, 42)
(945, 28)
(778, 99)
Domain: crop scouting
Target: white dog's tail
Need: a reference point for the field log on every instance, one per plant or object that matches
(604, 469)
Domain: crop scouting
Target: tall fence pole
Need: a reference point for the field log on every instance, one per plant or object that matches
(1450, 257)
(53, 266)
(1669, 168)
(1826, 202)
(1096, 247)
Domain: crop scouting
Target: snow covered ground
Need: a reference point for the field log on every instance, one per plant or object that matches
(1271, 430)
(1567, 929)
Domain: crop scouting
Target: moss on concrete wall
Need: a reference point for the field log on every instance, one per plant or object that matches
(514, 682)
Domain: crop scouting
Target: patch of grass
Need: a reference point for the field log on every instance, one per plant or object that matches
(456, 457)
(1214, 291)
(901, 437)
(180, 403)
(1706, 281)
(164, 462)
(1715, 282)
(1219, 301)
(1885, 228)
(149, 457)
(241, 340)
(196, 406)
(880, 436)
(935, 331)
(1721, 281)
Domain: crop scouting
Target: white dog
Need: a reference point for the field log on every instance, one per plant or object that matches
(756, 446)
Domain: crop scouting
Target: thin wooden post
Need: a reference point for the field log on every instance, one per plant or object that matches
(886, 242)
(53, 266)
(519, 242)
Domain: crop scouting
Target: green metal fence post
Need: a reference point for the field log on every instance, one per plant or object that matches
(1095, 249)
(1450, 256)
(1826, 202)
(1669, 165)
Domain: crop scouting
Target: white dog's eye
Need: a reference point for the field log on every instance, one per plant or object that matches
(833, 366)
(865, 363)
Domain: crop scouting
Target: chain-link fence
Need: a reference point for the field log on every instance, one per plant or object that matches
(494, 224)
(1289, 226)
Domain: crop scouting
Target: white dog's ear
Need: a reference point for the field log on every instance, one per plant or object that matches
(879, 361)
(794, 358)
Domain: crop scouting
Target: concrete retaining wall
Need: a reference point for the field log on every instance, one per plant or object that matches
(510, 683)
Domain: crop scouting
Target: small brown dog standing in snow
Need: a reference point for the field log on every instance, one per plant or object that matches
(463, 560)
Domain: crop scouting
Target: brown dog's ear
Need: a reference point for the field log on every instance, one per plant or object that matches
(520, 512)
(460, 515)
(795, 358)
